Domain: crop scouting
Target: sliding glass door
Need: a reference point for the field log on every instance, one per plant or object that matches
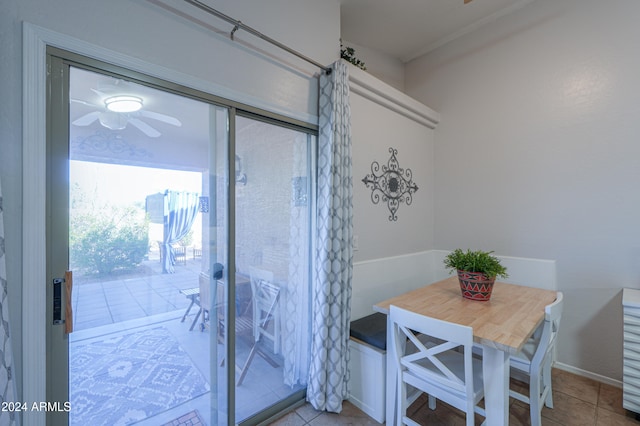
(184, 221)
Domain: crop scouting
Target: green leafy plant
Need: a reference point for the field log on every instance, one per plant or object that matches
(475, 261)
(108, 239)
(349, 54)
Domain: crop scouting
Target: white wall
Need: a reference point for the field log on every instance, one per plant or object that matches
(380, 279)
(383, 118)
(202, 57)
(537, 155)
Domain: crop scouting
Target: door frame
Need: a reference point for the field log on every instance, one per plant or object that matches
(36, 40)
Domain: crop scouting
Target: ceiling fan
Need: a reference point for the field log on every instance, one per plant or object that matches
(120, 108)
(467, 1)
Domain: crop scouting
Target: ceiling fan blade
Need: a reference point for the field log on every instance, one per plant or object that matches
(80, 101)
(160, 117)
(87, 119)
(144, 127)
(467, 1)
(99, 93)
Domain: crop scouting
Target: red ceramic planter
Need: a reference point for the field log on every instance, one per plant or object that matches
(475, 285)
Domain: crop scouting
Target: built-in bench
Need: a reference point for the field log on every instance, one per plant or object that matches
(367, 364)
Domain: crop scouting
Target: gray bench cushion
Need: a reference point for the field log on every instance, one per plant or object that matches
(371, 329)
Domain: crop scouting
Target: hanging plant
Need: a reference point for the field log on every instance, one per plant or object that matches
(349, 54)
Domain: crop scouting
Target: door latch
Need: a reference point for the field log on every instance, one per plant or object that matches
(57, 301)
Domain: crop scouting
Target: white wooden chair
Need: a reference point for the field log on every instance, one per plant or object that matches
(248, 321)
(266, 315)
(271, 298)
(445, 371)
(533, 363)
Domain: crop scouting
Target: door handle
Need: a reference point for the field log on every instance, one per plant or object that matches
(68, 281)
(57, 301)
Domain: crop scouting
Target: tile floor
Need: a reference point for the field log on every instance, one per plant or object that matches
(577, 401)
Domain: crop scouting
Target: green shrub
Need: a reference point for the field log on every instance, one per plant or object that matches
(108, 239)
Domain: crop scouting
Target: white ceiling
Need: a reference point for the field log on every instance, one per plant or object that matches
(407, 29)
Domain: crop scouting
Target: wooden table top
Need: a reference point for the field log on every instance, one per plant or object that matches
(505, 322)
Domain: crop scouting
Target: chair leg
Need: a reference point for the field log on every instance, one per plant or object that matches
(402, 401)
(245, 368)
(195, 320)
(276, 332)
(534, 400)
(432, 402)
(546, 384)
(193, 301)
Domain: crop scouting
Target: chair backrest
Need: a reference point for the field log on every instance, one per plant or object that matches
(426, 361)
(204, 283)
(551, 325)
(261, 299)
(267, 295)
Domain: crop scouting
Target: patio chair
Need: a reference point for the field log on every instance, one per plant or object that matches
(247, 320)
(269, 296)
(263, 298)
(180, 254)
(204, 294)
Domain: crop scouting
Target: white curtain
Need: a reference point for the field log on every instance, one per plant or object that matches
(295, 296)
(180, 210)
(7, 380)
(331, 293)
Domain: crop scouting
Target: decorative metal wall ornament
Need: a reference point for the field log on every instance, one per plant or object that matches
(394, 185)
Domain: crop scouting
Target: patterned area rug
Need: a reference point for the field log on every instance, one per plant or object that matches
(192, 418)
(124, 379)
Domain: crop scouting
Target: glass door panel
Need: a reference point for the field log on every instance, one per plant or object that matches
(272, 246)
(146, 182)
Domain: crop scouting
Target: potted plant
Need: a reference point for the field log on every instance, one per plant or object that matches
(477, 271)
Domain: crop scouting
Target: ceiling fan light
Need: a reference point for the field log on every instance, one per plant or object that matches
(123, 103)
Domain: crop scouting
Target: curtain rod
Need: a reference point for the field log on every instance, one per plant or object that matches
(239, 25)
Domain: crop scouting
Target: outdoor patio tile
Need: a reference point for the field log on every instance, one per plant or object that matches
(125, 316)
(119, 309)
(247, 407)
(84, 325)
(118, 284)
(121, 302)
(141, 290)
(90, 305)
(100, 319)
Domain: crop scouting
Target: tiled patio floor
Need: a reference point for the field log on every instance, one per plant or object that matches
(99, 301)
(145, 300)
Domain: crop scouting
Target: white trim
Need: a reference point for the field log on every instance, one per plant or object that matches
(34, 218)
(588, 374)
(375, 90)
(81, 47)
(392, 258)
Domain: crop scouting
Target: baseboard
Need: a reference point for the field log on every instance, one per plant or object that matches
(587, 374)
